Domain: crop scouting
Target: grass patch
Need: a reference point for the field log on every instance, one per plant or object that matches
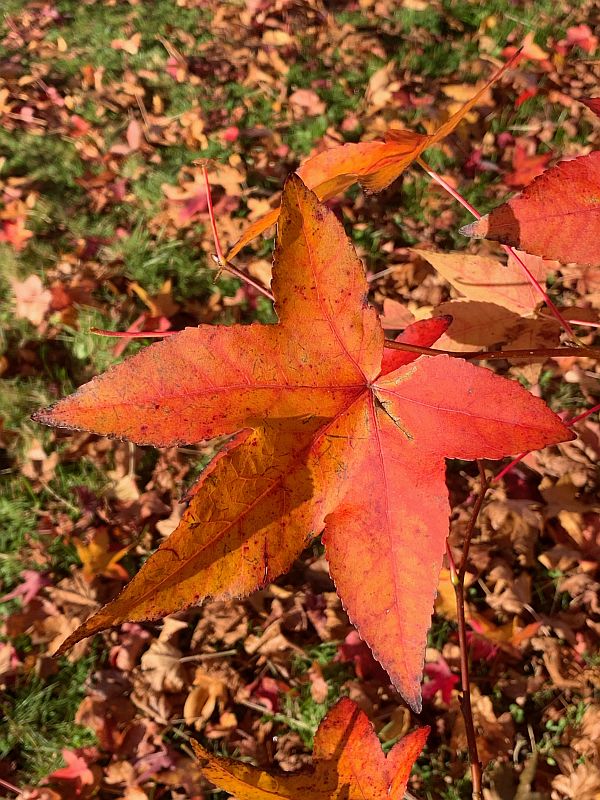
(38, 719)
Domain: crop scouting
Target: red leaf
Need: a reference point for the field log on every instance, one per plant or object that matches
(593, 103)
(325, 440)
(359, 653)
(525, 167)
(424, 333)
(556, 216)
(76, 770)
(441, 680)
(15, 233)
(581, 36)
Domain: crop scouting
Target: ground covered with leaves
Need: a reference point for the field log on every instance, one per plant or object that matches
(107, 109)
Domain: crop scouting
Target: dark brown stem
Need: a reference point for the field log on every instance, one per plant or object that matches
(9, 786)
(458, 582)
(484, 483)
(496, 355)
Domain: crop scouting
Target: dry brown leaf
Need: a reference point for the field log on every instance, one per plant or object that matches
(162, 668)
(32, 301)
(207, 692)
(306, 103)
(488, 280)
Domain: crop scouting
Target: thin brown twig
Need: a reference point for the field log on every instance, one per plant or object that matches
(211, 216)
(496, 355)
(457, 575)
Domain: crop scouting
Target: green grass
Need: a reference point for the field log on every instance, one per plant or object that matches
(301, 712)
(17, 522)
(431, 770)
(37, 719)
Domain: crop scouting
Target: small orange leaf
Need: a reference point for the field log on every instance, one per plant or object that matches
(348, 764)
(373, 164)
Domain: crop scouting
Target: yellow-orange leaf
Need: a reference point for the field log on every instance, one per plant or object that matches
(373, 164)
(348, 764)
(98, 558)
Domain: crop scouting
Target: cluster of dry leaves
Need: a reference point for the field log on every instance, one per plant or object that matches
(238, 673)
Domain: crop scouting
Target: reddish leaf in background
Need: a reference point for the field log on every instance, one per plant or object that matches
(15, 233)
(326, 439)
(33, 581)
(348, 764)
(375, 165)
(556, 216)
(76, 770)
(526, 95)
(529, 51)
(580, 36)
(441, 679)
(525, 167)
(593, 103)
(353, 649)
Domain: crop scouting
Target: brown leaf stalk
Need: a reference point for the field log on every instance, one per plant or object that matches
(221, 261)
(496, 355)
(457, 575)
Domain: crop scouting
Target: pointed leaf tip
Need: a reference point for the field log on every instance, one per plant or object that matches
(556, 216)
(476, 229)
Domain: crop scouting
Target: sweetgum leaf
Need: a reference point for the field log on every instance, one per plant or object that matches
(556, 216)
(348, 764)
(325, 440)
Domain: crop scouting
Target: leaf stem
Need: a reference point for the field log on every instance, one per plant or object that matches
(510, 250)
(133, 334)
(496, 355)
(475, 355)
(222, 262)
(458, 582)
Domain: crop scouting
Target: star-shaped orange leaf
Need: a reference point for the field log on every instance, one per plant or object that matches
(330, 434)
